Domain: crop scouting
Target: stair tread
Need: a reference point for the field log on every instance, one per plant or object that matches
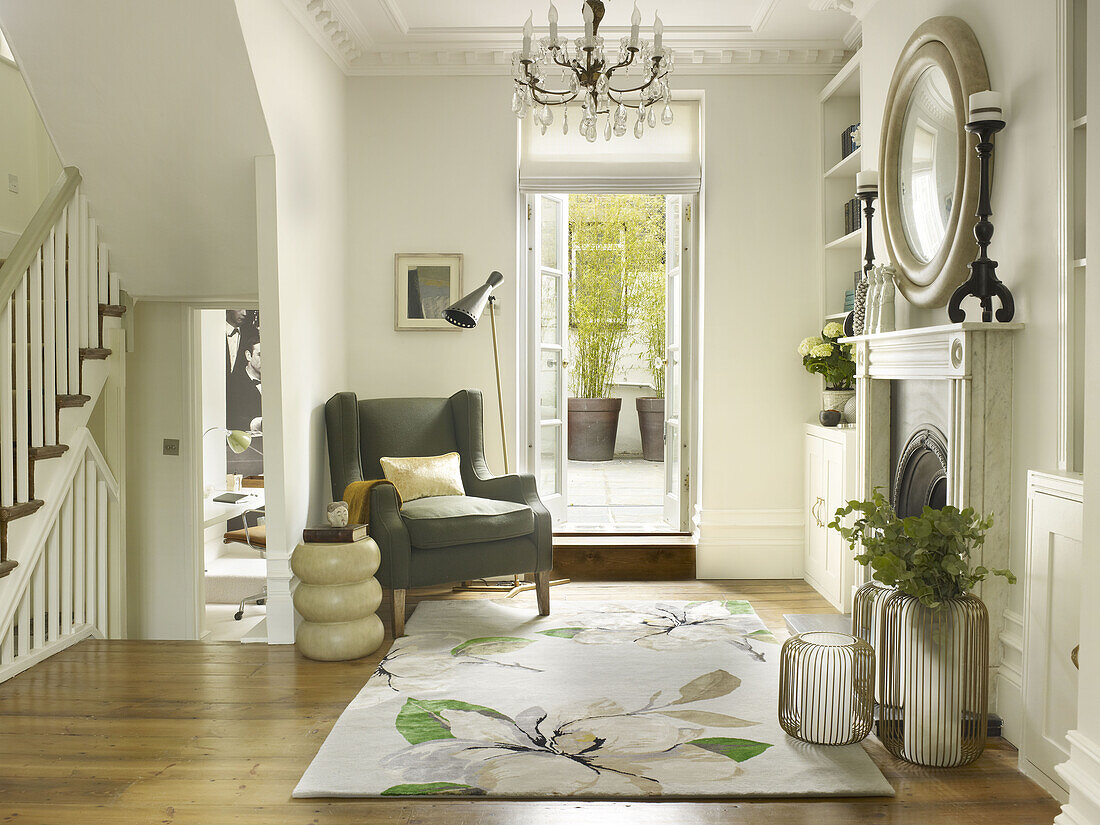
(73, 400)
(21, 510)
(95, 353)
(114, 310)
(49, 451)
(6, 567)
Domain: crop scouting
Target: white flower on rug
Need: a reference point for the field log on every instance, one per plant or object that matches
(415, 662)
(668, 626)
(596, 749)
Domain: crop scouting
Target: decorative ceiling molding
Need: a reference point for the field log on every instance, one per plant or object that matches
(834, 5)
(396, 16)
(765, 58)
(763, 13)
(335, 27)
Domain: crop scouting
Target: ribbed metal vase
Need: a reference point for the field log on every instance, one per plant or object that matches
(934, 680)
(867, 605)
(826, 688)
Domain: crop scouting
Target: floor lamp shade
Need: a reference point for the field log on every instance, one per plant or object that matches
(466, 311)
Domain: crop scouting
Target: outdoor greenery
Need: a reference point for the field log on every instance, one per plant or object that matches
(925, 556)
(824, 356)
(617, 251)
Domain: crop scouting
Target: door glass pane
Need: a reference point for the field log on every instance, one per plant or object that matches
(672, 454)
(550, 301)
(550, 232)
(672, 221)
(672, 318)
(672, 385)
(549, 383)
(549, 456)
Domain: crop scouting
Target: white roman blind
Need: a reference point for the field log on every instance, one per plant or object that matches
(665, 160)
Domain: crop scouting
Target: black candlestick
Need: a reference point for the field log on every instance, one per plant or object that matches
(856, 319)
(983, 282)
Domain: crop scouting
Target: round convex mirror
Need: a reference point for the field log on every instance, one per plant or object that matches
(928, 164)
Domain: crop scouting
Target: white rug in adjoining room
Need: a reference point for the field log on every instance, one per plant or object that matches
(598, 700)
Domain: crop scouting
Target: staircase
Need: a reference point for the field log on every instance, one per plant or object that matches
(60, 503)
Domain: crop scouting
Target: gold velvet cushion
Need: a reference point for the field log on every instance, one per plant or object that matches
(424, 476)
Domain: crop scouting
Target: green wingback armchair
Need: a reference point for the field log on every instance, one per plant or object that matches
(500, 527)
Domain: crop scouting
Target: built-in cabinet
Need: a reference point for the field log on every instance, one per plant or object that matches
(831, 476)
(1052, 624)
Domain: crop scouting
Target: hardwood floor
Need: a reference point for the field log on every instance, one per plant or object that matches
(185, 732)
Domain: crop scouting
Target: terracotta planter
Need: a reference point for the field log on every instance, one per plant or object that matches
(651, 421)
(593, 424)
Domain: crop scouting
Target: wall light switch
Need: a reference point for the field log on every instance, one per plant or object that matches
(13, 184)
(171, 446)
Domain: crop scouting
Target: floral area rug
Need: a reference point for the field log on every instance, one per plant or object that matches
(598, 700)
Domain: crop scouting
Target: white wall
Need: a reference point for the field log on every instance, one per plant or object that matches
(301, 234)
(25, 151)
(160, 560)
(212, 372)
(432, 168)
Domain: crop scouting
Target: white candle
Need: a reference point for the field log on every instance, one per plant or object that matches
(528, 30)
(552, 16)
(635, 23)
(867, 181)
(986, 106)
(658, 32)
(588, 20)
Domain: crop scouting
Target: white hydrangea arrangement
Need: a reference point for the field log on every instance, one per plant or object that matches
(826, 356)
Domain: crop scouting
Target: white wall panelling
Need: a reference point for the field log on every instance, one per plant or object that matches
(832, 477)
(750, 544)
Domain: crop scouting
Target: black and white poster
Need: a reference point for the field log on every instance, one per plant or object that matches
(244, 388)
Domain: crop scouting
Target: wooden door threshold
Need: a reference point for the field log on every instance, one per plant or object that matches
(611, 557)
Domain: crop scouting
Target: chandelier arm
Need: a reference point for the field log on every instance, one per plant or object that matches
(652, 79)
(623, 64)
(547, 102)
(534, 87)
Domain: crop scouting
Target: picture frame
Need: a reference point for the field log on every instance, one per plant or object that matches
(424, 285)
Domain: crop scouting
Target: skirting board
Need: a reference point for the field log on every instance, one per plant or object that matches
(1082, 774)
(750, 544)
(1009, 677)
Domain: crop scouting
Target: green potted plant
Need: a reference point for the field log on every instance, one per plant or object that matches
(612, 239)
(651, 338)
(933, 632)
(827, 357)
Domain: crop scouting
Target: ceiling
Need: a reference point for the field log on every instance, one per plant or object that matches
(478, 36)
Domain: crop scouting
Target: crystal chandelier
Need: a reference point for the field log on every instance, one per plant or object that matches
(640, 68)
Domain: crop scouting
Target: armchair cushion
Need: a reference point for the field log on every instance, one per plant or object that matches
(449, 521)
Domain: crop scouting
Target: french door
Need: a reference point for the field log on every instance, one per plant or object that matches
(548, 322)
(548, 353)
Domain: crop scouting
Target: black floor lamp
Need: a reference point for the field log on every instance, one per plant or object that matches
(466, 312)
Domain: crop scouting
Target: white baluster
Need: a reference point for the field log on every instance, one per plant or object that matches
(22, 390)
(7, 647)
(72, 293)
(66, 519)
(99, 294)
(61, 322)
(38, 395)
(113, 290)
(53, 581)
(101, 551)
(87, 264)
(49, 344)
(38, 585)
(7, 431)
(91, 533)
(80, 543)
(23, 637)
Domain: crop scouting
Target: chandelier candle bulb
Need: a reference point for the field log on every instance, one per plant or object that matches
(528, 31)
(635, 24)
(658, 34)
(589, 18)
(986, 106)
(552, 16)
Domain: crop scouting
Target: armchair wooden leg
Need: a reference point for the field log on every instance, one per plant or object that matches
(542, 591)
(398, 613)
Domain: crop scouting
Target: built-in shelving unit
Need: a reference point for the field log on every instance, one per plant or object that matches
(1073, 126)
(842, 252)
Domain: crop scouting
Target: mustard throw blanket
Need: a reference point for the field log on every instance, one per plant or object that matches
(357, 495)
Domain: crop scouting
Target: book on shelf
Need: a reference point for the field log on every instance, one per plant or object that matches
(326, 534)
(848, 141)
(853, 217)
(849, 300)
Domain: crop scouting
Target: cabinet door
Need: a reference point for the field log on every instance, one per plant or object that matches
(832, 471)
(815, 504)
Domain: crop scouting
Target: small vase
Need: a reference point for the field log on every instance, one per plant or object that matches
(834, 399)
(850, 410)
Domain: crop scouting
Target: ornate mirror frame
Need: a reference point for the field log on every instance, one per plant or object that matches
(950, 44)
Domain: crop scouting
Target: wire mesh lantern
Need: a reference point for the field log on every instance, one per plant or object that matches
(934, 680)
(867, 607)
(826, 688)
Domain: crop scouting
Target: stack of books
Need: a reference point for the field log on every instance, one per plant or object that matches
(853, 216)
(849, 300)
(847, 141)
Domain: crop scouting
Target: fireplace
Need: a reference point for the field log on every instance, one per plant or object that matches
(920, 478)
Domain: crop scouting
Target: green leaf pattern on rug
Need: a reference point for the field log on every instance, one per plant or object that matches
(433, 789)
(488, 645)
(739, 750)
(708, 686)
(738, 607)
(421, 720)
(562, 632)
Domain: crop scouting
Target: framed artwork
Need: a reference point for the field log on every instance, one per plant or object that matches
(424, 286)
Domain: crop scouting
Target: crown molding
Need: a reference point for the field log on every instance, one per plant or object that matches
(765, 58)
(335, 28)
